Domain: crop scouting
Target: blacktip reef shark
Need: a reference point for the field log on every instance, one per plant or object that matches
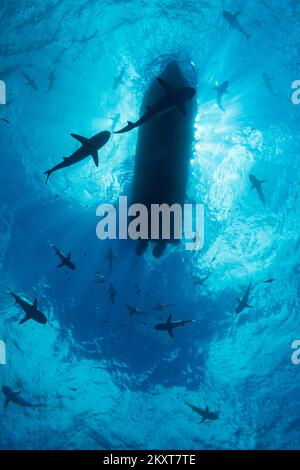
(173, 98)
(257, 184)
(65, 260)
(232, 20)
(31, 310)
(89, 147)
(170, 325)
(205, 414)
(15, 397)
(243, 302)
(221, 90)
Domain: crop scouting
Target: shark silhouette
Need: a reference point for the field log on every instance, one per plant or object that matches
(15, 397)
(221, 90)
(205, 414)
(172, 98)
(232, 20)
(65, 260)
(31, 310)
(88, 147)
(257, 184)
(170, 325)
(243, 302)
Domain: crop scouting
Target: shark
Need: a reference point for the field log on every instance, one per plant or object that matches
(205, 414)
(268, 83)
(173, 98)
(170, 325)
(243, 302)
(65, 260)
(31, 310)
(89, 147)
(110, 256)
(118, 79)
(257, 184)
(30, 81)
(133, 310)
(232, 20)
(199, 281)
(112, 293)
(221, 90)
(160, 307)
(14, 397)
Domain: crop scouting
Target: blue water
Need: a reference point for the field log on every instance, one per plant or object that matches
(108, 386)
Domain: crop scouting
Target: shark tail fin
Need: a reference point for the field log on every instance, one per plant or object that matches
(48, 173)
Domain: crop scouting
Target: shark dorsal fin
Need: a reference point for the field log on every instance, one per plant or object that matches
(206, 408)
(35, 304)
(164, 84)
(169, 319)
(81, 139)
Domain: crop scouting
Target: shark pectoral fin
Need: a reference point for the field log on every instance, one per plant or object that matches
(202, 420)
(25, 319)
(263, 181)
(237, 14)
(252, 187)
(182, 108)
(69, 256)
(60, 265)
(95, 157)
(250, 306)
(171, 333)
(6, 403)
(82, 140)
(164, 84)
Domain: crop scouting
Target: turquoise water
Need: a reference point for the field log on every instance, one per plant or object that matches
(112, 381)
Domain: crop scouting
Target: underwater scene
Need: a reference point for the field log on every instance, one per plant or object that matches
(116, 339)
